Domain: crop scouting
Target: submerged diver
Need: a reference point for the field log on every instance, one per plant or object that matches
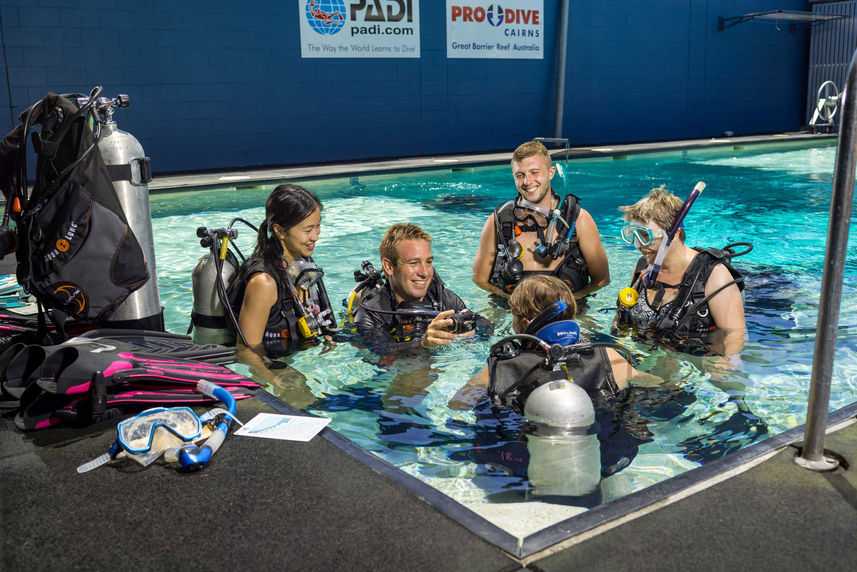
(390, 310)
(535, 234)
(571, 394)
(279, 295)
(696, 291)
(543, 308)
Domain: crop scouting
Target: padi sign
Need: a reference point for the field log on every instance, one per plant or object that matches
(512, 29)
(359, 28)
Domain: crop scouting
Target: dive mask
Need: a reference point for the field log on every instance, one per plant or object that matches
(149, 434)
(524, 208)
(304, 273)
(640, 234)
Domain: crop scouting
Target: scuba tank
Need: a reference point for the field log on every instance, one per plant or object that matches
(211, 277)
(212, 320)
(208, 317)
(565, 456)
(130, 172)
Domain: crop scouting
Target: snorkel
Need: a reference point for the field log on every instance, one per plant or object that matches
(544, 248)
(176, 429)
(650, 277)
(195, 458)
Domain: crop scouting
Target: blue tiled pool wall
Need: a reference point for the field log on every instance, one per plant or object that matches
(217, 84)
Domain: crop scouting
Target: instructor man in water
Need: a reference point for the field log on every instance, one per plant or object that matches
(538, 233)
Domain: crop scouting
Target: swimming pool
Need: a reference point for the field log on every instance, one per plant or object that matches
(774, 196)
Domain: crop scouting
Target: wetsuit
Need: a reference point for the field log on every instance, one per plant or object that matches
(388, 327)
(572, 270)
(282, 334)
(511, 380)
(688, 312)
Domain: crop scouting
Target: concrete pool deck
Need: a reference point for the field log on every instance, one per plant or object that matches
(286, 505)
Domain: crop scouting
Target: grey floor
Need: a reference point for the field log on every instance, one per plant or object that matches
(287, 505)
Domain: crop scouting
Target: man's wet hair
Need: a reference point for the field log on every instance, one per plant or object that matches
(396, 234)
(530, 149)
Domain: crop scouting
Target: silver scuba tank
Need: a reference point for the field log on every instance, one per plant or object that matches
(129, 169)
(564, 458)
(209, 319)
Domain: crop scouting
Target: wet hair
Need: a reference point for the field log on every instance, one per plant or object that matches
(286, 206)
(530, 149)
(535, 293)
(660, 207)
(396, 234)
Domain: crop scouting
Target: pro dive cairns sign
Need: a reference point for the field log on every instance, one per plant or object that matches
(512, 29)
(359, 28)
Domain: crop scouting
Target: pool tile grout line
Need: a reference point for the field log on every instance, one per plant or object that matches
(526, 548)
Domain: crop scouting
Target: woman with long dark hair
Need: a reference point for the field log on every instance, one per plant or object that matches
(279, 295)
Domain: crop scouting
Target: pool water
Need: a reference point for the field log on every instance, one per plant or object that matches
(776, 197)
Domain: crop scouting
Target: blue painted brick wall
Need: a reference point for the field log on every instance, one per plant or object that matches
(217, 84)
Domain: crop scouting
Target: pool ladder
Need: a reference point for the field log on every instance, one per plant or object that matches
(812, 455)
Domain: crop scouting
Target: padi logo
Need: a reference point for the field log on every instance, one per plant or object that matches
(70, 296)
(325, 17)
(382, 10)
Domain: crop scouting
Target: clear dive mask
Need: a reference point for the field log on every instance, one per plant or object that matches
(304, 273)
(155, 432)
(632, 234)
(524, 208)
(154, 426)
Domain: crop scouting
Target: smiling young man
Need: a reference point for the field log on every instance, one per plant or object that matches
(538, 234)
(391, 311)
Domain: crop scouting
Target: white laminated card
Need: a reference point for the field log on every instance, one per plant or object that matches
(285, 427)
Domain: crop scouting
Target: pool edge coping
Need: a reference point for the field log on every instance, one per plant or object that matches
(253, 176)
(597, 520)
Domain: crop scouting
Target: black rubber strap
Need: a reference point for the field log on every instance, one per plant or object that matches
(124, 172)
(213, 322)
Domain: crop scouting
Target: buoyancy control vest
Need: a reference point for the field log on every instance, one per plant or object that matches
(283, 332)
(516, 371)
(688, 312)
(380, 315)
(76, 252)
(572, 270)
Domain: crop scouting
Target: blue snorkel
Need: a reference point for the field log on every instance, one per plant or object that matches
(196, 458)
(651, 276)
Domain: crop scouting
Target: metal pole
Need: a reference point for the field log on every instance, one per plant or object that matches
(560, 69)
(812, 455)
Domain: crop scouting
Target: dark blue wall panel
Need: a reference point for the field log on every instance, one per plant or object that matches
(217, 83)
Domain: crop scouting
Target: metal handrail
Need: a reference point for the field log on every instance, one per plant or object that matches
(812, 455)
